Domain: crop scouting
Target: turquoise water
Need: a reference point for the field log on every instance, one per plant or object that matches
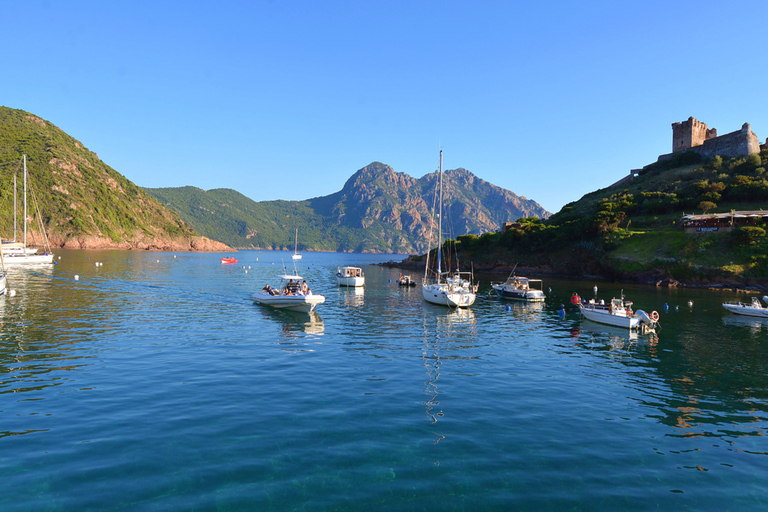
(154, 383)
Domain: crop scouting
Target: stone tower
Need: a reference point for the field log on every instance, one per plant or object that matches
(690, 133)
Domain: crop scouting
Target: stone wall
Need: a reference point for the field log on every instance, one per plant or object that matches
(735, 144)
(690, 133)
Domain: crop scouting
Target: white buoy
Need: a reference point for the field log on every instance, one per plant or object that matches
(12, 293)
(174, 255)
(97, 263)
(246, 271)
(690, 303)
(158, 261)
(77, 277)
(59, 257)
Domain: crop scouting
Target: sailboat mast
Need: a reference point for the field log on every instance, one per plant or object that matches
(440, 216)
(15, 208)
(25, 201)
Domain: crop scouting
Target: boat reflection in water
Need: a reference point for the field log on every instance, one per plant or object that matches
(353, 296)
(754, 324)
(298, 331)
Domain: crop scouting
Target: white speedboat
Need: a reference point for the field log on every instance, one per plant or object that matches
(453, 289)
(350, 276)
(293, 295)
(617, 312)
(406, 280)
(520, 288)
(753, 309)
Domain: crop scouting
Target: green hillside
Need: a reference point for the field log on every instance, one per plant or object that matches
(634, 228)
(78, 194)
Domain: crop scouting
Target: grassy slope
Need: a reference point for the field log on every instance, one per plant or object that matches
(634, 229)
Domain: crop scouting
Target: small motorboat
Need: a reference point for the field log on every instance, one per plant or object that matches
(753, 309)
(293, 295)
(618, 312)
(229, 260)
(350, 276)
(406, 281)
(520, 288)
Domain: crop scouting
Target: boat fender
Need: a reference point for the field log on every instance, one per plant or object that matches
(654, 316)
(575, 299)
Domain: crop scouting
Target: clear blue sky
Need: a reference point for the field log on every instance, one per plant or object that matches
(287, 99)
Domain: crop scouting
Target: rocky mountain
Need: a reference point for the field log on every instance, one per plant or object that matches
(377, 210)
(84, 203)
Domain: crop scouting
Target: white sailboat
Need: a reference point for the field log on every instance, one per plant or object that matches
(18, 252)
(296, 255)
(453, 289)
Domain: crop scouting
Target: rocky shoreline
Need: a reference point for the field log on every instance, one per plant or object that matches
(649, 278)
(158, 244)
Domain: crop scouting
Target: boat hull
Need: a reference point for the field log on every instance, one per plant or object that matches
(507, 292)
(443, 295)
(605, 317)
(350, 281)
(27, 259)
(300, 303)
(746, 310)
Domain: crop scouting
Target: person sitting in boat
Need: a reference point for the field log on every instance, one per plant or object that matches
(267, 289)
(305, 288)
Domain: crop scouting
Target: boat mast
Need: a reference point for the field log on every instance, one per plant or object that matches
(15, 208)
(440, 216)
(25, 201)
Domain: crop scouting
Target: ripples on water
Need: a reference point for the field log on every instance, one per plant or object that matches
(154, 383)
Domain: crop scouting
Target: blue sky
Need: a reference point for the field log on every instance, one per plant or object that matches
(287, 99)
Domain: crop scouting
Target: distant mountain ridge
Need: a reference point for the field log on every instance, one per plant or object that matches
(377, 210)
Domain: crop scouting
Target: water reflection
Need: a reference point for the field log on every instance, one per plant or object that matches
(353, 297)
(753, 324)
(294, 325)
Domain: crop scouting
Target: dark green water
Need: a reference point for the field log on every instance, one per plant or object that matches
(154, 383)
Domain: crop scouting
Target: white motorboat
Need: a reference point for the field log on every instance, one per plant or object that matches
(520, 288)
(752, 309)
(19, 252)
(617, 312)
(406, 280)
(293, 295)
(350, 276)
(453, 289)
(296, 254)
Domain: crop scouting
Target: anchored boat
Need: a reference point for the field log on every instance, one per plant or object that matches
(292, 295)
(617, 312)
(350, 276)
(520, 288)
(752, 309)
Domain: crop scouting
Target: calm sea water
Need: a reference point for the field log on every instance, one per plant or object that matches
(153, 383)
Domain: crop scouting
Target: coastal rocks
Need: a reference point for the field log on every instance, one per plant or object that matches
(199, 244)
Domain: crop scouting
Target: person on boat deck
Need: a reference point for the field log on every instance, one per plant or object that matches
(305, 288)
(267, 289)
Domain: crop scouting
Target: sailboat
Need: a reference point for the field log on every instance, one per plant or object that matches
(17, 252)
(3, 275)
(296, 255)
(454, 289)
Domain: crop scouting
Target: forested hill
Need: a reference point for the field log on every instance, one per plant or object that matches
(377, 210)
(83, 201)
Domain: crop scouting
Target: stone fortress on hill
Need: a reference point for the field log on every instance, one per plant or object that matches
(693, 135)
